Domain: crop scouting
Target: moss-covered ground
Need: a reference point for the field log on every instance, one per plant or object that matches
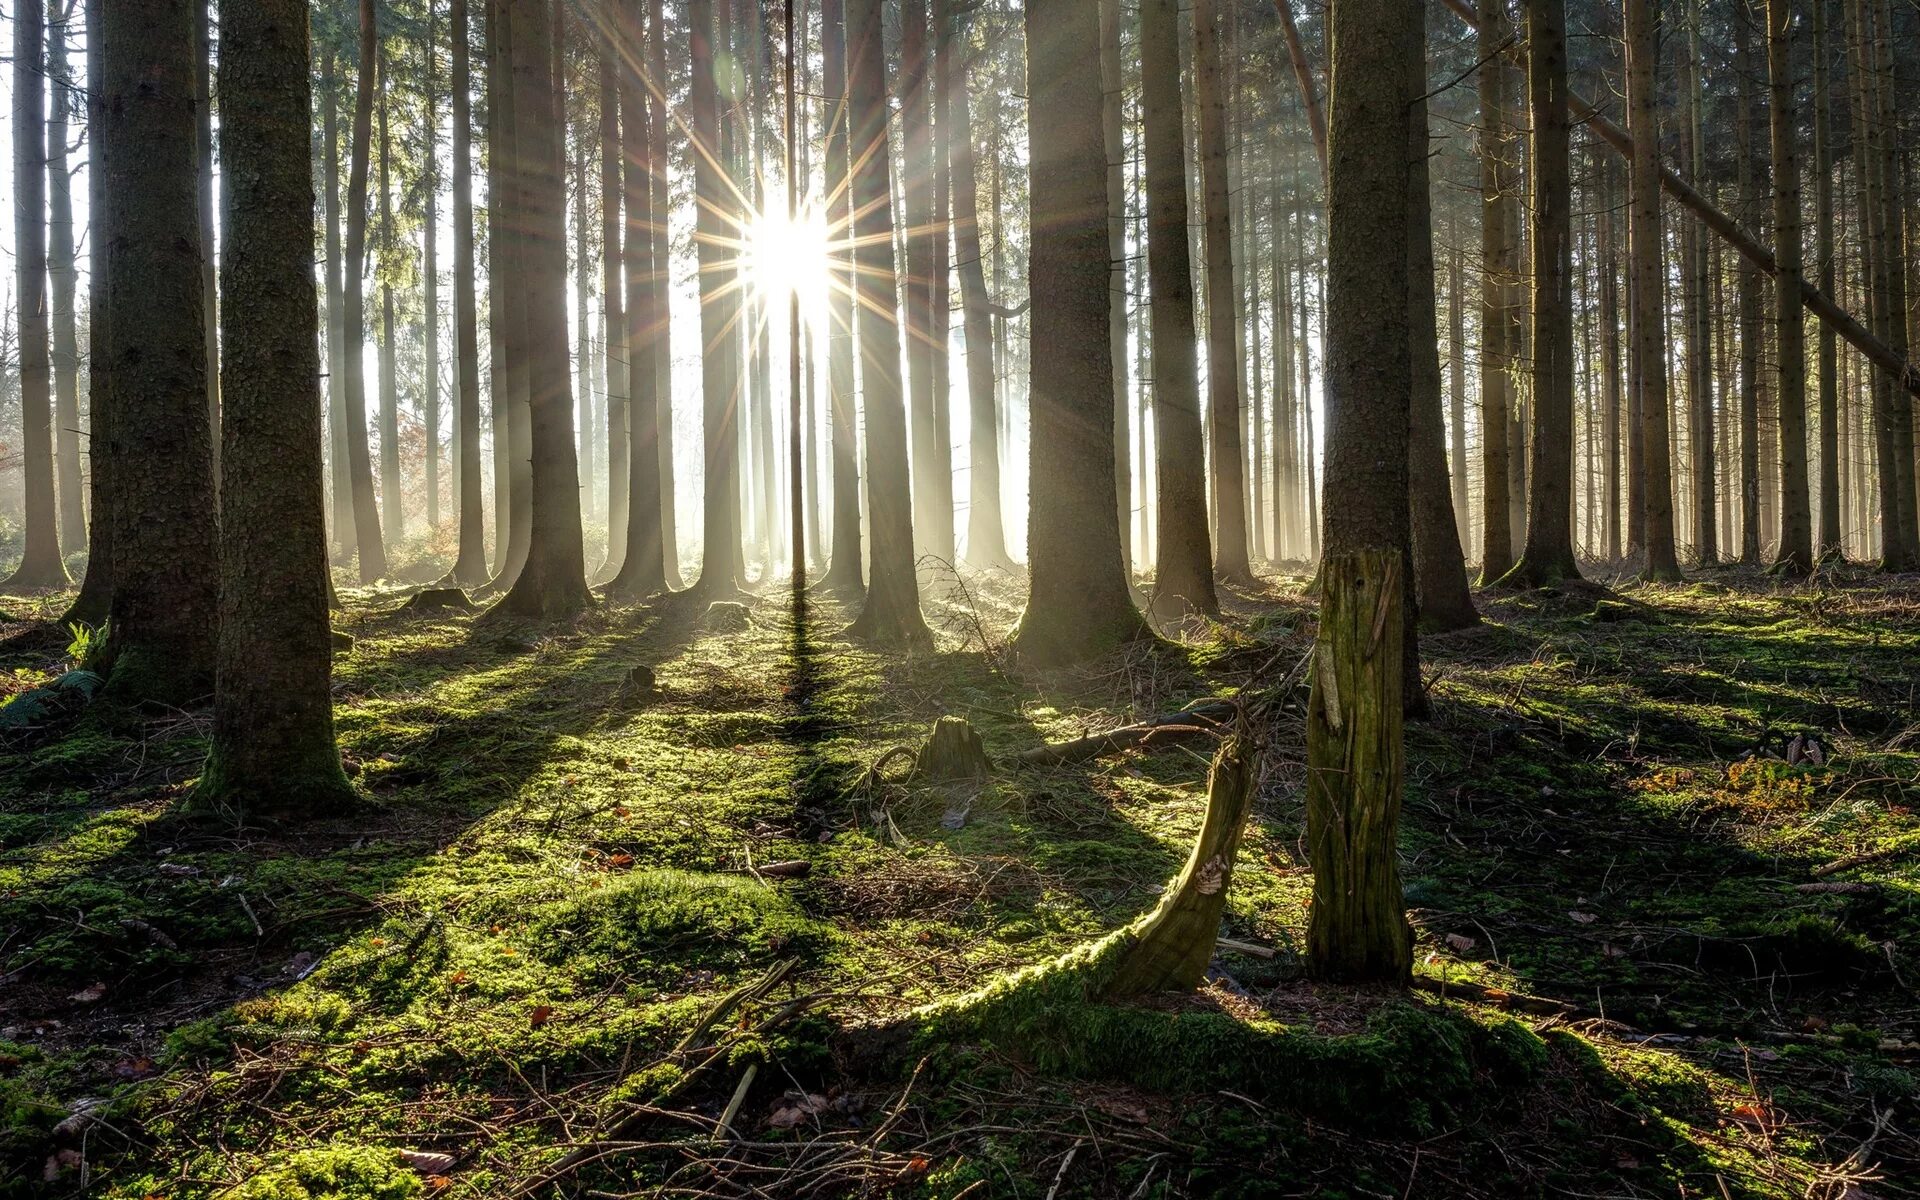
(546, 954)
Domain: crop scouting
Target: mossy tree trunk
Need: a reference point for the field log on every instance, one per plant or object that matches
(1183, 548)
(166, 583)
(1078, 602)
(1170, 947)
(1357, 929)
(273, 745)
(890, 615)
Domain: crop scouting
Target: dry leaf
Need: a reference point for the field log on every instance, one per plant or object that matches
(89, 994)
(1585, 918)
(1461, 942)
(539, 1015)
(428, 1162)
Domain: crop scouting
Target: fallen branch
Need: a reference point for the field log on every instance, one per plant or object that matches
(1864, 859)
(1208, 718)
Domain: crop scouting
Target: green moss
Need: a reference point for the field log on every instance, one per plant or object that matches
(334, 1173)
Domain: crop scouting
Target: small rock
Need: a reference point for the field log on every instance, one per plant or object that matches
(727, 616)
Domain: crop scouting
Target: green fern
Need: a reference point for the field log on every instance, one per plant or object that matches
(88, 649)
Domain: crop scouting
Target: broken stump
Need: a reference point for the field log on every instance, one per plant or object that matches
(727, 616)
(953, 752)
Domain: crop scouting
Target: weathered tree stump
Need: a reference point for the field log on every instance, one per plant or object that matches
(1170, 947)
(727, 616)
(342, 641)
(637, 688)
(952, 753)
(437, 599)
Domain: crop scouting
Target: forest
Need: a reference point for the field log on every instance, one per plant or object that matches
(1059, 599)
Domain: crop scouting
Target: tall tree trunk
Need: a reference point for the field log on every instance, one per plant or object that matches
(1183, 576)
(166, 581)
(1548, 557)
(470, 567)
(366, 516)
(939, 541)
(1457, 383)
(662, 289)
(430, 272)
(986, 533)
(273, 746)
(1752, 178)
(1498, 180)
(1079, 604)
(916, 191)
(845, 573)
(91, 606)
(1795, 555)
(1828, 542)
(40, 565)
(890, 615)
(1697, 313)
(203, 147)
(614, 256)
(1609, 266)
(643, 568)
(1112, 91)
(583, 353)
(1646, 306)
(721, 540)
(1903, 516)
(1227, 458)
(553, 583)
(1357, 928)
(393, 520)
(63, 275)
(1439, 594)
(339, 477)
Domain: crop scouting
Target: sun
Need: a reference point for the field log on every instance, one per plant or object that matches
(784, 255)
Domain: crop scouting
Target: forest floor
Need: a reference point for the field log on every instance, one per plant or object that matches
(1642, 972)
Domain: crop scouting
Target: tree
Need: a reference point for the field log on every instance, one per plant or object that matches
(986, 527)
(1829, 545)
(1231, 560)
(614, 161)
(1078, 601)
(392, 509)
(1497, 243)
(1696, 304)
(890, 615)
(1646, 316)
(1795, 554)
(40, 564)
(932, 465)
(94, 602)
(719, 570)
(366, 516)
(338, 464)
(165, 575)
(470, 567)
(1548, 555)
(1751, 174)
(62, 275)
(273, 745)
(1357, 928)
(552, 584)
(1183, 573)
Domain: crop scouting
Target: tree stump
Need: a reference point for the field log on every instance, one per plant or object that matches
(727, 616)
(437, 599)
(637, 688)
(952, 753)
(1170, 947)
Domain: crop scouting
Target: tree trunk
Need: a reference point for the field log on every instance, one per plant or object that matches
(1113, 92)
(1697, 313)
(916, 190)
(845, 573)
(393, 520)
(63, 275)
(366, 516)
(1078, 602)
(1457, 385)
(340, 477)
(1443, 600)
(91, 606)
(203, 149)
(1828, 542)
(986, 531)
(1548, 556)
(1357, 928)
(721, 541)
(939, 541)
(1609, 266)
(273, 747)
(553, 584)
(1183, 577)
(643, 568)
(40, 564)
(1498, 180)
(470, 568)
(1227, 459)
(1647, 308)
(430, 275)
(1751, 171)
(614, 257)
(1795, 555)
(890, 615)
(1901, 549)
(166, 582)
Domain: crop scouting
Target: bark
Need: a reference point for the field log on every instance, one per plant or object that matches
(470, 568)
(366, 516)
(1442, 598)
(719, 574)
(643, 569)
(845, 573)
(40, 565)
(1227, 458)
(1548, 556)
(1899, 516)
(1497, 183)
(986, 529)
(614, 256)
(1357, 928)
(1795, 554)
(890, 615)
(1646, 319)
(63, 276)
(1078, 601)
(552, 585)
(1828, 543)
(273, 746)
(91, 606)
(166, 582)
(1183, 578)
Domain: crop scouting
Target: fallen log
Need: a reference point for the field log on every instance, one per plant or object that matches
(1208, 718)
